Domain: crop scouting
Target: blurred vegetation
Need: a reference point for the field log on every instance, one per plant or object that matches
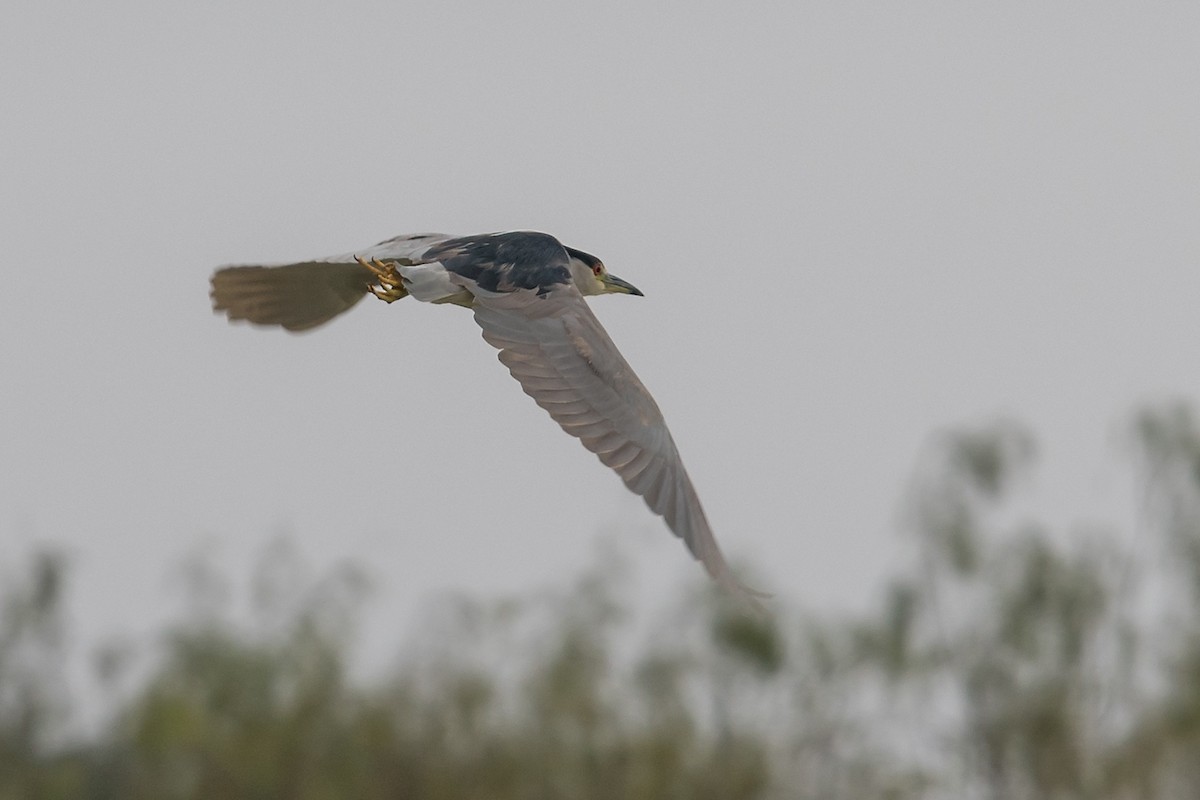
(1004, 660)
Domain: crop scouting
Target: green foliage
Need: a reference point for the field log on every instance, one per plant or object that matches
(750, 637)
(33, 762)
(1005, 661)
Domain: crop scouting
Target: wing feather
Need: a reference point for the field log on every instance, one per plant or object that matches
(297, 296)
(620, 457)
(305, 294)
(563, 358)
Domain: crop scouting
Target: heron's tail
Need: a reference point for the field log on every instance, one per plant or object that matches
(294, 296)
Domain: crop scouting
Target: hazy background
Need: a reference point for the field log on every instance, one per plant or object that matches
(854, 224)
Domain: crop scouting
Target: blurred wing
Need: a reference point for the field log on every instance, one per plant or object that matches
(295, 296)
(554, 345)
(303, 295)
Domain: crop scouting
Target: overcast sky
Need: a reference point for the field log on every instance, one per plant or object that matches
(854, 225)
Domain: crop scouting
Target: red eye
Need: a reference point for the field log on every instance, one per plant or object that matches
(596, 270)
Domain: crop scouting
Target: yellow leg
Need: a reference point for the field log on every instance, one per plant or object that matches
(390, 285)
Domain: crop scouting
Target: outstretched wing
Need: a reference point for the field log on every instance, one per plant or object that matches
(554, 345)
(305, 294)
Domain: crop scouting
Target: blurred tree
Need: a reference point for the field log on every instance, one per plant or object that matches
(1006, 661)
(35, 763)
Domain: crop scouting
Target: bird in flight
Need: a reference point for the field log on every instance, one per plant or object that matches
(527, 292)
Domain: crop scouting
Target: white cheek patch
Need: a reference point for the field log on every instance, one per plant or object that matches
(585, 280)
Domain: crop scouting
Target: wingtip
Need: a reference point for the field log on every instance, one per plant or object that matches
(753, 599)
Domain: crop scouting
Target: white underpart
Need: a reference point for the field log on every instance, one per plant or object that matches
(430, 283)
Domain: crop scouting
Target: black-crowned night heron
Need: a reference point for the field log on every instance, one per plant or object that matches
(527, 291)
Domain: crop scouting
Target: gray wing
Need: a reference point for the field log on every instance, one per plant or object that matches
(554, 345)
(306, 294)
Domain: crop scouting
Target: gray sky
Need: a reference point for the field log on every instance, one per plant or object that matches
(854, 225)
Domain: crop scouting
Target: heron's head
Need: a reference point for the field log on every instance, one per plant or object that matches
(591, 276)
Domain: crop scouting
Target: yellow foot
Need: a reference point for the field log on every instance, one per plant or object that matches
(389, 286)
